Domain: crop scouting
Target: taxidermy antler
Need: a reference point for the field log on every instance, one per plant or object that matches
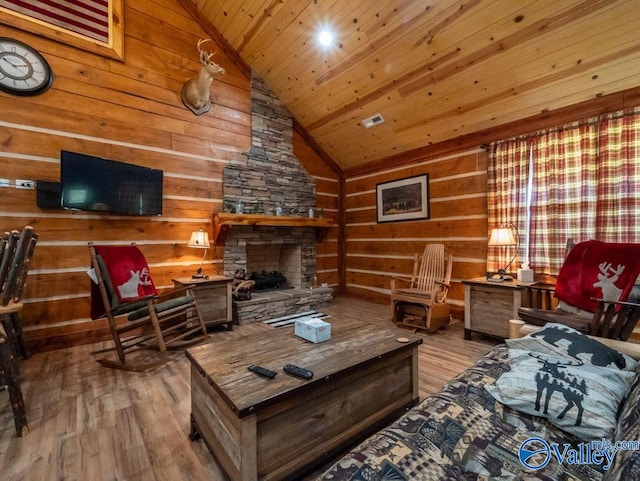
(196, 93)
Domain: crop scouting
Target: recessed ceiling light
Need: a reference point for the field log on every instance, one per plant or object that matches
(325, 37)
(371, 121)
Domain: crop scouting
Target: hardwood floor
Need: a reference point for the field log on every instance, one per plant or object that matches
(88, 422)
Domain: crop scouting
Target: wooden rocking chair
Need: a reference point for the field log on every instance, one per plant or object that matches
(420, 302)
(606, 317)
(154, 323)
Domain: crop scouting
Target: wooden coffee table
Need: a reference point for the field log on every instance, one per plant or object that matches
(272, 429)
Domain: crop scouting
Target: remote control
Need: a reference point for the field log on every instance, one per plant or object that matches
(262, 371)
(298, 371)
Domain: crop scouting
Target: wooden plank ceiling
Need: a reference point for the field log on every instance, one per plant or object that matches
(434, 70)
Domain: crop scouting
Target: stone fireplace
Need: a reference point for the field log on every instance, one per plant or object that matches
(266, 178)
(268, 175)
(289, 250)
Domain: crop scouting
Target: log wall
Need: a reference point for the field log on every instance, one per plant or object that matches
(457, 218)
(457, 179)
(131, 112)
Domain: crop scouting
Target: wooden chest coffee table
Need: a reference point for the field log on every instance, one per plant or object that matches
(271, 429)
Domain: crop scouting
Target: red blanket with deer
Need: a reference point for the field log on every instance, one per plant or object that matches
(129, 275)
(599, 270)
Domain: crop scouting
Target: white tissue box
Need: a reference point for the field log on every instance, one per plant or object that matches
(525, 275)
(314, 330)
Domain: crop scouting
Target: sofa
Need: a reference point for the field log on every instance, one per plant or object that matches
(549, 405)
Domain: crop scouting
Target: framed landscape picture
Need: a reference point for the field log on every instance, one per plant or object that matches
(404, 199)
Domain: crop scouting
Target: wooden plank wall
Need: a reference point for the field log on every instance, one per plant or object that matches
(458, 219)
(128, 111)
(457, 176)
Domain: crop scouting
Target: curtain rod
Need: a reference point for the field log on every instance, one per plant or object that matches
(570, 125)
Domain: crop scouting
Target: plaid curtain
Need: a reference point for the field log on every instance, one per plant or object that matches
(618, 208)
(507, 195)
(563, 202)
(585, 185)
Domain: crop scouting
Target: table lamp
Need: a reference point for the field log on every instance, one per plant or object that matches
(200, 240)
(504, 236)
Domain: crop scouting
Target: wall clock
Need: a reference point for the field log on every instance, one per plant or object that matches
(23, 71)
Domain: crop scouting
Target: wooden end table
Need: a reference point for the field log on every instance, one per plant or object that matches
(489, 305)
(213, 296)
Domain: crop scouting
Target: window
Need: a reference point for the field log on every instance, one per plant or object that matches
(579, 181)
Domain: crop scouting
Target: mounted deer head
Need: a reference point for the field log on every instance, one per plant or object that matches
(196, 94)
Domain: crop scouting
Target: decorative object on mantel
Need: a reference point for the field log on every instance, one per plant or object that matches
(199, 240)
(504, 237)
(196, 92)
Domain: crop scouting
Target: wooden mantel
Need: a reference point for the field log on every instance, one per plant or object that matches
(222, 222)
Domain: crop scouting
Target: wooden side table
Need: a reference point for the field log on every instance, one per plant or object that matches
(488, 305)
(213, 296)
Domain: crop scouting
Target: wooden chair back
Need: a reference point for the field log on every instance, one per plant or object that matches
(19, 266)
(16, 249)
(107, 290)
(8, 245)
(104, 287)
(615, 320)
(421, 302)
(539, 296)
(433, 271)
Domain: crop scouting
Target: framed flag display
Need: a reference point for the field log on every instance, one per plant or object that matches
(94, 25)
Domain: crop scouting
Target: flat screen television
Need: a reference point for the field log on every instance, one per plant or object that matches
(96, 184)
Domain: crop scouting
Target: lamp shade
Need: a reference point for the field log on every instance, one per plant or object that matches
(199, 239)
(502, 236)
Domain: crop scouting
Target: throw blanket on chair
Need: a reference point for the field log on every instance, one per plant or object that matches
(600, 270)
(129, 273)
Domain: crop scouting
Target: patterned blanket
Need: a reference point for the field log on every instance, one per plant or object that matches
(463, 433)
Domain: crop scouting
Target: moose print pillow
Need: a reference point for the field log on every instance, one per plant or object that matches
(563, 341)
(579, 398)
